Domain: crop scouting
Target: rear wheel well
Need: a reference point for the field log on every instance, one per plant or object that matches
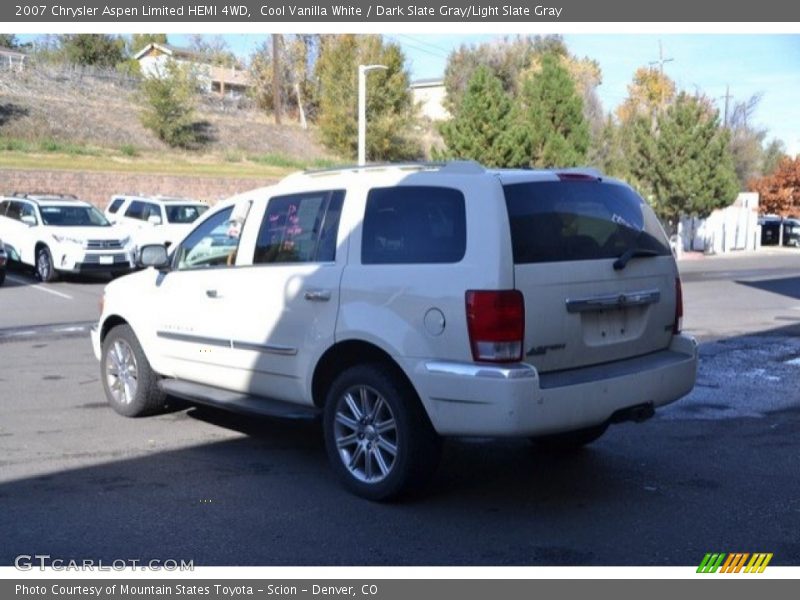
(344, 355)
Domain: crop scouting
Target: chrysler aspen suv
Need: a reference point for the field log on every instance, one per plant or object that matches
(408, 303)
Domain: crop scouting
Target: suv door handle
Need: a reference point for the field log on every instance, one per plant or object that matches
(317, 295)
(213, 294)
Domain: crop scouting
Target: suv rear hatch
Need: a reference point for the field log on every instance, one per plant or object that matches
(595, 269)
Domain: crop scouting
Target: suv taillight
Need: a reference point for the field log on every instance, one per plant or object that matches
(496, 324)
(677, 324)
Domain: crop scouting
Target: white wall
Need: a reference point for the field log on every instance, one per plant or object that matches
(726, 229)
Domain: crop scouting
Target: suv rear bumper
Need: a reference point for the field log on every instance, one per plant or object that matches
(514, 400)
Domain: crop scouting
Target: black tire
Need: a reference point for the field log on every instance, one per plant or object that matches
(569, 441)
(417, 446)
(2, 276)
(44, 265)
(130, 384)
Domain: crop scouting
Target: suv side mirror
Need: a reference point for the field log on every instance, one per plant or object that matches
(29, 220)
(154, 220)
(153, 255)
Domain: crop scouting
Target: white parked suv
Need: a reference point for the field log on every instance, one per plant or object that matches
(3, 261)
(154, 219)
(61, 234)
(408, 303)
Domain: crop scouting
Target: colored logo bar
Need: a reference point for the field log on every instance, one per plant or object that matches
(734, 562)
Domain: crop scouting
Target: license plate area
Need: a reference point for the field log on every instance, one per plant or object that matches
(106, 260)
(604, 327)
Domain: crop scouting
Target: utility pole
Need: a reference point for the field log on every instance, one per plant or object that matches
(276, 77)
(727, 97)
(661, 60)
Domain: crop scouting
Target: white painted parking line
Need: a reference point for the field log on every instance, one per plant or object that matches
(38, 286)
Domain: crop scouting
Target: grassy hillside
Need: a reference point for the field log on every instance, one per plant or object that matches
(77, 119)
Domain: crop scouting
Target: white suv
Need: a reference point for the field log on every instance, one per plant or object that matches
(407, 303)
(155, 219)
(59, 233)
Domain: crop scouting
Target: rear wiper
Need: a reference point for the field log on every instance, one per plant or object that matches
(632, 252)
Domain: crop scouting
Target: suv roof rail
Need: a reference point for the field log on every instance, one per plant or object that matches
(38, 195)
(585, 171)
(458, 166)
(465, 167)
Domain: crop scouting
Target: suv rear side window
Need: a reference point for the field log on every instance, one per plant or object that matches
(554, 221)
(115, 204)
(300, 228)
(414, 225)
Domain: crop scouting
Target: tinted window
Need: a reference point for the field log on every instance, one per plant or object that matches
(4, 207)
(579, 220)
(300, 228)
(414, 224)
(14, 211)
(188, 213)
(73, 216)
(151, 210)
(210, 244)
(115, 204)
(135, 210)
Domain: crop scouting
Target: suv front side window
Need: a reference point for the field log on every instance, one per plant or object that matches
(209, 245)
(135, 210)
(14, 211)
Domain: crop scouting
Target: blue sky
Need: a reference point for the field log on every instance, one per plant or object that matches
(767, 64)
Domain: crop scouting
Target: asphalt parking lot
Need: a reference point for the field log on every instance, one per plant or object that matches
(716, 471)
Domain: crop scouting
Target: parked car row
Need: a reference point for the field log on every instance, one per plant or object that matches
(3, 261)
(59, 233)
(154, 219)
(771, 231)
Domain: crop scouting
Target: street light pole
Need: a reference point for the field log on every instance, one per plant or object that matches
(362, 110)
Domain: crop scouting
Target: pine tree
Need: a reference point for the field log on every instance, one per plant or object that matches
(169, 105)
(686, 164)
(479, 129)
(390, 109)
(552, 129)
(93, 49)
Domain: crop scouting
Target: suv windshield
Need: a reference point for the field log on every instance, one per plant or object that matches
(580, 220)
(184, 213)
(73, 216)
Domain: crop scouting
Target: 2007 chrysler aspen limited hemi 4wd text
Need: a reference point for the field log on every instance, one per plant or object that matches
(406, 303)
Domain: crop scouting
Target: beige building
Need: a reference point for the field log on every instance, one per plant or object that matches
(430, 95)
(220, 80)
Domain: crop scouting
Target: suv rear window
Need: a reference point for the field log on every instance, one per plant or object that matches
(414, 225)
(556, 221)
(115, 204)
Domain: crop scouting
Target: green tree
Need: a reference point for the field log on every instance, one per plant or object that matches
(298, 83)
(774, 153)
(507, 59)
(552, 131)
(99, 50)
(685, 166)
(214, 50)
(169, 98)
(8, 40)
(391, 113)
(480, 127)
